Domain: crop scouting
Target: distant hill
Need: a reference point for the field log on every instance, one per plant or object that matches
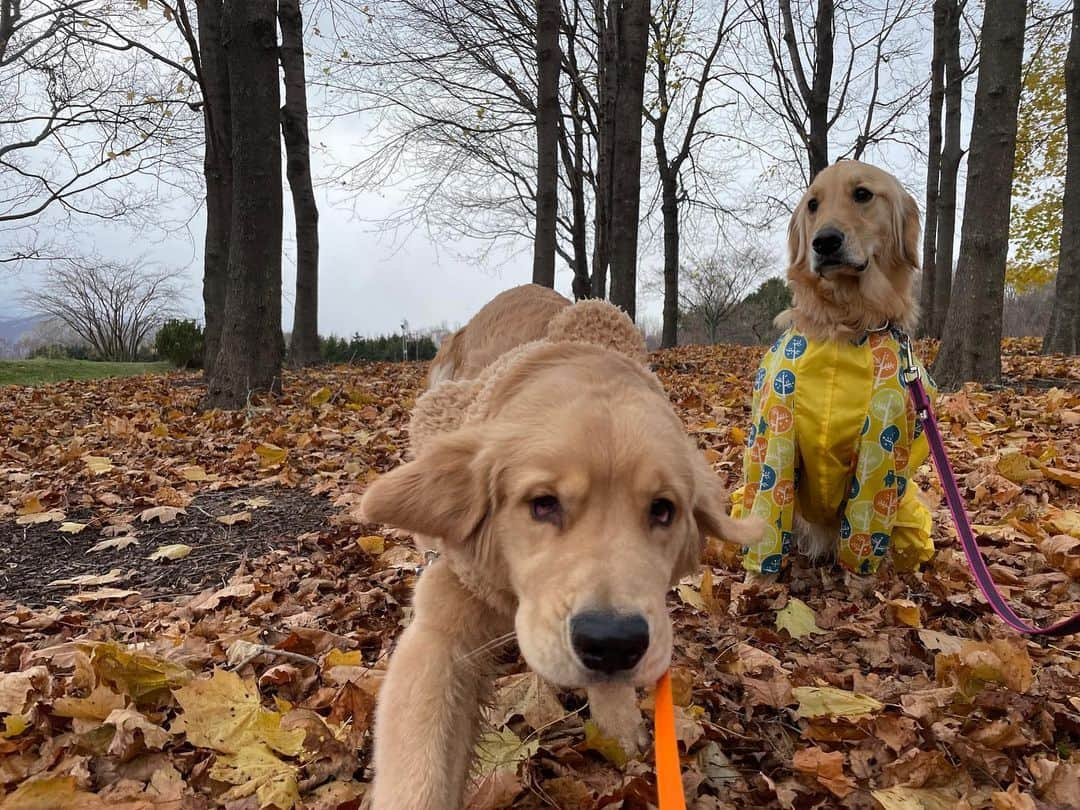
(13, 328)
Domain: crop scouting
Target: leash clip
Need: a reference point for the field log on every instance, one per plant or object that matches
(910, 368)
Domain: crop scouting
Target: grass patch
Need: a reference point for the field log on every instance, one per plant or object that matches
(41, 370)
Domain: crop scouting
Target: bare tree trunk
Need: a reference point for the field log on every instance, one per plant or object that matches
(607, 85)
(1063, 334)
(630, 20)
(548, 62)
(249, 358)
(933, 165)
(818, 103)
(669, 207)
(304, 345)
(217, 170)
(971, 340)
(815, 93)
(951, 155)
(574, 161)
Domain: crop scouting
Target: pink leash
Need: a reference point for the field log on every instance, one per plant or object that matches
(955, 500)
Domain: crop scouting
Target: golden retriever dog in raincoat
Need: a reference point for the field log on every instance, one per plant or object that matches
(563, 499)
(833, 439)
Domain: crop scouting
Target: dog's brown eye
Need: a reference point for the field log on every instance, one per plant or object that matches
(662, 512)
(861, 195)
(812, 205)
(547, 509)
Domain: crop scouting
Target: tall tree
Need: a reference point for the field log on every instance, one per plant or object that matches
(832, 75)
(683, 77)
(548, 67)
(304, 345)
(1063, 333)
(249, 356)
(933, 164)
(628, 20)
(943, 164)
(971, 340)
(212, 70)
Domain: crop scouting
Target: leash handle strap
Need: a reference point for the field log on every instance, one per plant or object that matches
(669, 787)
(955, 501)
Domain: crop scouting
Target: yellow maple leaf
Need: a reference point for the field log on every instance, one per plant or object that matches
(98, 705)
(255, 770)
(1018, 468)
(825, 701)
(499, 749)
(906, 612)
(373, 544)
(337, 658)
(224, 712)
(140, 675)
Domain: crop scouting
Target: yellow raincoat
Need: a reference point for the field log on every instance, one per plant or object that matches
(833, 427)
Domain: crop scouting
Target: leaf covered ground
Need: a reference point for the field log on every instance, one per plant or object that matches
(194, 615)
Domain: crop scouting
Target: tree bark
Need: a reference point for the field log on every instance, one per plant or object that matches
(951, 155)
(574, 161)
(217, 170)
(630, 20)
(607, 87)
(304, 345)
(1063, 333)
(933, 165)
(669, 207)
(548, 63)
(249, 357)
(971, 340)
(818, 103)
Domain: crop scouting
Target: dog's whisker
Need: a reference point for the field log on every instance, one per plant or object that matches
(489, 646)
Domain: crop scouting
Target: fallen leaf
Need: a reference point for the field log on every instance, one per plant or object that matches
(798, 619)
(34, 518)
(51, 793)
(905, 798)
(373, 544)
(224, 712)
(115, 575)
(1062, 551)
(499, 749)
(691, 596)
(827, 768)
(607, 747)
(825, 701)
(255, 770)
(1018, 468)
(114, 542)
(71, 528)
(270, 455)
(977, 663)
(320, 397)
(100, 595)
(234, 518)
(905, 611)
(1070, 478)
(98, 464)
(174, 551)
(16, 688)
(162, 514)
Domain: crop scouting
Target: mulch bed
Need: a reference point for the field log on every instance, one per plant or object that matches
(33, 556)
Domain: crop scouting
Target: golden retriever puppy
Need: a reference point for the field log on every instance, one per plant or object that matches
(516, 316)
(833, 437)
(564, 503)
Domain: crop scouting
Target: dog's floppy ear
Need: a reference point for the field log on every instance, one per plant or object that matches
(796, 237)
(712, 519)
(907, 229)
(443, 493)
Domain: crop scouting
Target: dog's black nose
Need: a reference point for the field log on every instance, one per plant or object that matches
(827, 241)
(609, 642)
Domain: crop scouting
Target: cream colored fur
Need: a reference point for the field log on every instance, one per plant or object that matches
(573, 414)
